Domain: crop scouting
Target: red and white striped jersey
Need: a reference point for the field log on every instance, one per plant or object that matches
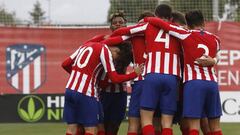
(108, 85)
(86, 64)
(162, 50)
(195, 44)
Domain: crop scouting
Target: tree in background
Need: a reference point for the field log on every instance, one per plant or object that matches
(6, 18)
(37, 14)
(132, 8)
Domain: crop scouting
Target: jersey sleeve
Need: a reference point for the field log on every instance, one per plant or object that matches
(97, 38)
(173, 30)
(67, 64)
(118, 78)
(218, 42)
(106, 59)
(136, 29)
(111, 41)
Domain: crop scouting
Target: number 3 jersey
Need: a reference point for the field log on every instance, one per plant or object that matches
(86, 64)
(196, 43)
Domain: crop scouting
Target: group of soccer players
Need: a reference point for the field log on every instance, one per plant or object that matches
(170, 52)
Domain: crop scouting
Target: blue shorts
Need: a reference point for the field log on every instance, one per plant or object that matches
(160, 89)
(134, 104)
(201, 98)
(80, 109)
(114, 106)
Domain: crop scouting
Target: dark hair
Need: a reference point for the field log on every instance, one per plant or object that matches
(178, 17)
(163, 11)
(117, 14)
(145, 14)
(125, 57)
(194, 18)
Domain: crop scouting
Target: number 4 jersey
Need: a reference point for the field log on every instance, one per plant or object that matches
(163, 50)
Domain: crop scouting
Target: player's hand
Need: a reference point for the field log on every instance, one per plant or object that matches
(139, 69)
(106, 36)
(205, 61)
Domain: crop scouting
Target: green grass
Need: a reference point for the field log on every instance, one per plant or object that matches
(59, 129)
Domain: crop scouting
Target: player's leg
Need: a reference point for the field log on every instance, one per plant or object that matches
(118, 112)
(205, 126)
(69, 114)
(100, 127)
(213, 108)
(193, 104)
(149, 100)
(168, 102)
(80, 130)
(134, 109)
(87, 112)
(105, 99)
(184, 126)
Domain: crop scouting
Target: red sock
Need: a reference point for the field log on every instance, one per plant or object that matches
(131, 133)
(148, 130)
(167, 131)
(216, 133)
(101, 133)
(88, 134)
(184, 131)
(68, 134)
(193, 132)
(157, 132)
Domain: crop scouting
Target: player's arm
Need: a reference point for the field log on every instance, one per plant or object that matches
(97, 38)
(107, 61)
(136, 29)
(67, 63)
(208, 61)
(173, 30)
(111, 41)
(118, 78)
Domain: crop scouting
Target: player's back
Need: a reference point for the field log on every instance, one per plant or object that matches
(86, 67)
(197, 44)
(163, 51)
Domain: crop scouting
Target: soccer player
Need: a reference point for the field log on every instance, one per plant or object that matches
(114, 97)
(162, 72)
(178, 18)
(114, 101)
(139, 56)
(201, 92)
(81, 96)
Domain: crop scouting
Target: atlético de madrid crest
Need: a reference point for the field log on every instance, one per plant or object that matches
(26, 66)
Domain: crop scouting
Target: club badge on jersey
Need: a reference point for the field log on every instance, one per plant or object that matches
(26, 66)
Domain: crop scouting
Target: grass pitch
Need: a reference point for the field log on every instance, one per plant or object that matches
(59, 129)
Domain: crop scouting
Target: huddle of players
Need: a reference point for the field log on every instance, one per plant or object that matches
(158, 44)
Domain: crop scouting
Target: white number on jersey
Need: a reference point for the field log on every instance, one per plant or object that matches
(160, 39)
(87, 50)
(205, 48)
